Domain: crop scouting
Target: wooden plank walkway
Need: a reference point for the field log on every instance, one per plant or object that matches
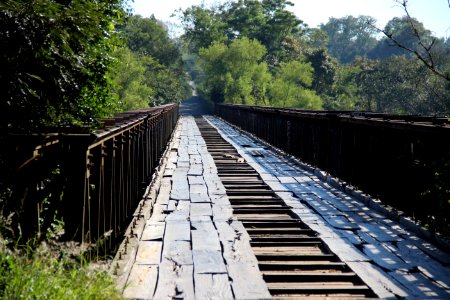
(190, 246)
(394, 261)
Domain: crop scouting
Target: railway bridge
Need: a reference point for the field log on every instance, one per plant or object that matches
(255, 203)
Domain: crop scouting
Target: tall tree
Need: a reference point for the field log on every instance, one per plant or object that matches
(290, 86)
(402, 85)
(54, 57)
(235, 73)
(413, 39)
(350, 36)
(202, 26)
(164, 79)
(400, 30)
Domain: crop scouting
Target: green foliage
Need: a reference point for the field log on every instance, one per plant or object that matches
(150, 70)
(150, 37)
(54, 57)
(342, 75)
(41, 274)
(235, 73)
(289, 88)
(267, 21)
(401, 30)
(202, 26)
(349, 37)
(401, 85)
(132, 84)
(345, 90)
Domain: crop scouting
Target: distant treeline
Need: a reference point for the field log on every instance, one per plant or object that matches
(258, 52)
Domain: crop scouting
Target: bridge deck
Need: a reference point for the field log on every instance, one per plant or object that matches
(192, 246)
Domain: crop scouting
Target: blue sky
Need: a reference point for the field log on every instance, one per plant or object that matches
(434, 14)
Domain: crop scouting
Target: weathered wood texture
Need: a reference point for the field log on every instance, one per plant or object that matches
(392, 260)
(189, 247)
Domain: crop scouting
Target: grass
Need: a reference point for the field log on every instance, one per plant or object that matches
(44, 273)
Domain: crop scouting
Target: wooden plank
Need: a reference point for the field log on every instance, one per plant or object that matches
(172, 205)
(192, 149)
(431, 250)
(195, 159)
(247, 282)
(215, 186)
(221, 199)
(320, 206)
(225, 231)
(183, 157)
(173, 157)
(183, 164)
(419, 286)
(286, 179)
(344, 249)
(276, 186)
(347, 204)
(168, 172)
(195, 170)
(340, 222)
(383, 285)
(180, 186)
(153, 231)
(179, 252)
(383, 257)
(158, 214)
(164, 191)
(149, 252)
(212, 286)
(177, 231)
(175, 282)
(199, 198)
(303, 179)
(287, 251)
(208, 261)
(204, 236)
(196, 180)
(415, 257)
(350, 236)
(222, 212)
(141, 283)
(201, 209)
(198, 189)
(381, 232)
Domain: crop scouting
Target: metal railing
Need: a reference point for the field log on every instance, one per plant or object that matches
(391, 157)
(92, 181)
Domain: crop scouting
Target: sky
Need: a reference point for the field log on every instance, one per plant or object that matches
(434, 14)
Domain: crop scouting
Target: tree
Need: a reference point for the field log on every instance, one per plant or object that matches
(403, 86)
(202, 26)
(150, 37)
(235, 73)
(345, 90)
(411, 38)
(161, 77)
(349, 37)
(131, 84)
(267, 21)
(289, 87)
(400, 30)
(54, 57)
